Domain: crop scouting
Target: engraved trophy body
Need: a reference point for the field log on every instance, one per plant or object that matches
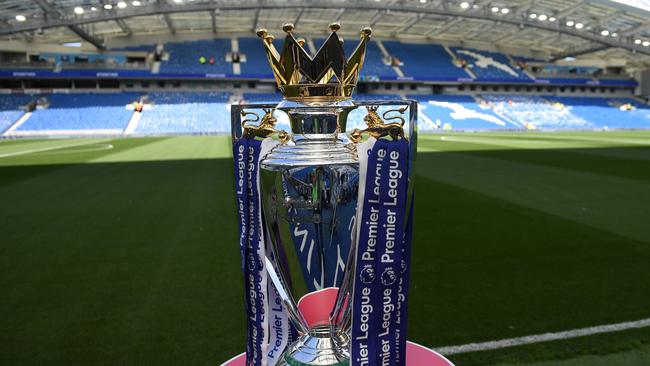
(309, 185)
(309, 192)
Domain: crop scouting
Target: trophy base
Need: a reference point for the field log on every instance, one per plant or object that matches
(322, 346)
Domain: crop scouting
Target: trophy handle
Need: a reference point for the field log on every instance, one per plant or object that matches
(266, 127)
(246, 120)
(398, 117)
(378, 127)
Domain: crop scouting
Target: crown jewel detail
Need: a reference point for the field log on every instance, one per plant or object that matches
(326, 76)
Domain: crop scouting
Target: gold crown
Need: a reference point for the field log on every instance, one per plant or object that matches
(328, 76)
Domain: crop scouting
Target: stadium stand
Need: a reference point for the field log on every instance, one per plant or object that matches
(187, 97)
(7, 118)
(422, 61)
(66, 112)
(533, 112)
(208, 113)
(490, 66)
(11, 109)
(462, 112)
(426, 62)
(140, 48)
(256, 64)
(607, 113)
(377, 97)
(374, 66)
(185, 113)
(262, 97)
(184, 57)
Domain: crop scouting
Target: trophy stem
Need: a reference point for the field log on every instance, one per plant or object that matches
(324, 345)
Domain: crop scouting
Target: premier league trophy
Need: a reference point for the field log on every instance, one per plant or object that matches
(325, 217)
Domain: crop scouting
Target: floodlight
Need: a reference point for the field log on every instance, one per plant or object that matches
(78, 10)
(495, 9)
(108, 6)
(505, 11)
(121, 5)
(570, 23)
(20, 18)
(542, 17)
(579, 25)
(464, 5)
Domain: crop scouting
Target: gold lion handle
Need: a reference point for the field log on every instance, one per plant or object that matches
(266, 127)
(378, 127)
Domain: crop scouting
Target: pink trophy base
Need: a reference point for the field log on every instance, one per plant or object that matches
(315, 308)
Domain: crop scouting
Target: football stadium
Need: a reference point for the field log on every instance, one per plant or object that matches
(119, 241)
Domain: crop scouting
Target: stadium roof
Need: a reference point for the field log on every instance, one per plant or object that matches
(552, 28)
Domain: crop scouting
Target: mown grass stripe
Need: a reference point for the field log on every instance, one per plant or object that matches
(545, 337)
(601, 201)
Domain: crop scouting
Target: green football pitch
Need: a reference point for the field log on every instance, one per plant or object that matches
(124, 251)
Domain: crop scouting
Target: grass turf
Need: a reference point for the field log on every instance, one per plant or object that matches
(125, 251)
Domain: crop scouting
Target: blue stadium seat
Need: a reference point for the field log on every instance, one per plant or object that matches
(11, 108)
(373, 66)
(376, 97)
(208, 112)
(7, 118)
(425, 61)
(9, 102)
(184, 57)
(262, 97)
(140, 48)
(456, 112)
(192, 112)
(490, 66)
(607, 113)
(193, 118)
(82, 112)
(257, 64)
(188, 97)
(534, 112)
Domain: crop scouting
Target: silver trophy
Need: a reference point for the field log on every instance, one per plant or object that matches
(310, 182)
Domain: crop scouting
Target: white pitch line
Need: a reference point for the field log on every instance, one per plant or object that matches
(31, 151)
(546, 337)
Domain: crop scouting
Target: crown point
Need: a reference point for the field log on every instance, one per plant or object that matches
(288, 27)
(335, 26)
(366, 31)
(261, 32)
(301, 42)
